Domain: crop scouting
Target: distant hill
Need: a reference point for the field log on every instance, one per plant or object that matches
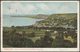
(39, 16)
(68, 20)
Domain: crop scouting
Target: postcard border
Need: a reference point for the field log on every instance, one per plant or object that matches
(41, 49)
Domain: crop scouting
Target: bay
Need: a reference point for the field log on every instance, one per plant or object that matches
(9, 21)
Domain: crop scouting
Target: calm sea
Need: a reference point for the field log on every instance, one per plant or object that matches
(9, 21)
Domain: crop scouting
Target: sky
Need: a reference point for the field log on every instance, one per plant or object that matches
(29, 8)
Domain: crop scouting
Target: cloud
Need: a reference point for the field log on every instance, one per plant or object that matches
(43, 6)
(68, 8)
(63, 7)
(27, 9)
(18, 8)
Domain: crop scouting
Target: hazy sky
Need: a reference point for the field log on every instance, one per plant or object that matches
(24, 8)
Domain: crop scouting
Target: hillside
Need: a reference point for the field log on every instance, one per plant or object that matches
(59, 20)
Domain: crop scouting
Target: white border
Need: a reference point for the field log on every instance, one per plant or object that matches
(40, 49)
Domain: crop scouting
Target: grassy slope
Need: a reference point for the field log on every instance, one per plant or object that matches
(59, 20)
